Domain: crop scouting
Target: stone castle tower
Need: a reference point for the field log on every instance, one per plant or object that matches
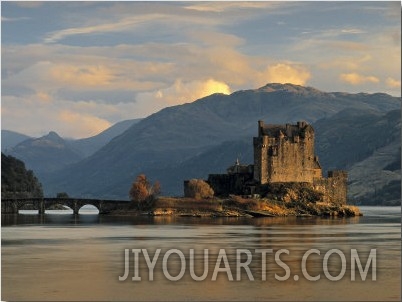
(285, 153)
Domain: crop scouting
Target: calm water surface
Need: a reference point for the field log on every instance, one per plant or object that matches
(66, 257)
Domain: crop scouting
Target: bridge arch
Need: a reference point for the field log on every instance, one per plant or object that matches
(48, 203)
(88, 209)
(93, 202)
(66, 209)
(30, 204)
(27, 208)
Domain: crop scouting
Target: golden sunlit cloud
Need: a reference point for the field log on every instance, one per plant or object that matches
(391, 82)
(43, 97)
(82, 125)
(356, 79)
(211, 86)
(179, 93)
(285, 73)
(218, 7)
(349, 63)
(81, 75)
(67, 118)
(182, 92)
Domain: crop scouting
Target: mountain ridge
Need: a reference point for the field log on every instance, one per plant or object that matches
(88, 146)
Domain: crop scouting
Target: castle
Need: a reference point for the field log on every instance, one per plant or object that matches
(282, 154)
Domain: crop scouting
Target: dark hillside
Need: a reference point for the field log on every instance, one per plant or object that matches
(16, 180)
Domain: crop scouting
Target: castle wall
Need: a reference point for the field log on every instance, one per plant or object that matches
(290, 161)
(334, 187)
(225, 184)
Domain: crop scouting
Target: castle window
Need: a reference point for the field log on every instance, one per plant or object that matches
(273, 151)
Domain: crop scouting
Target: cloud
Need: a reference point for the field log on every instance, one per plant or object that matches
(392, 83)
(213, 38)
(38, 114)
(46, 76)
(75, 122)
(81, 73)
(9, 19)
(285, 73)
(218, 7)
(84, 76)
(330, 40)
(118, 25)
(356, 79)
(347, 46)
(352, 31)
(187, 92)
(44, 97)
(183, 92)
(349, 62)
(29, 4)
(179, 93)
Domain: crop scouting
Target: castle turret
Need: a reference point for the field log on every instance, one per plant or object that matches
(260, 127)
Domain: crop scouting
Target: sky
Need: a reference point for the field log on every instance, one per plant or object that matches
(79, 67)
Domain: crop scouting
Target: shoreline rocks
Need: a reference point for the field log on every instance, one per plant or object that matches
(236, 206)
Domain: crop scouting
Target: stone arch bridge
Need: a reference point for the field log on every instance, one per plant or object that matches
(13, 205)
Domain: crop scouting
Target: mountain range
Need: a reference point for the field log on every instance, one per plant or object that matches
(50, 153)
(206, 136)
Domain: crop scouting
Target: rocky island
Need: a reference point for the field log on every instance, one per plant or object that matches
(285, 180)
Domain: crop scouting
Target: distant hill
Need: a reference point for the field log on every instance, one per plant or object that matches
(16, 180)
(168, 144)
(368, 146)
(88, 146)
(46, 154)
(10, 139)
(351, 136)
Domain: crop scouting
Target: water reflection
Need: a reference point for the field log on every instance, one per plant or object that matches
(86, 253)
(88, 215)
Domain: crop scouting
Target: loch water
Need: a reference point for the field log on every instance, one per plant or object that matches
(80, 257)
